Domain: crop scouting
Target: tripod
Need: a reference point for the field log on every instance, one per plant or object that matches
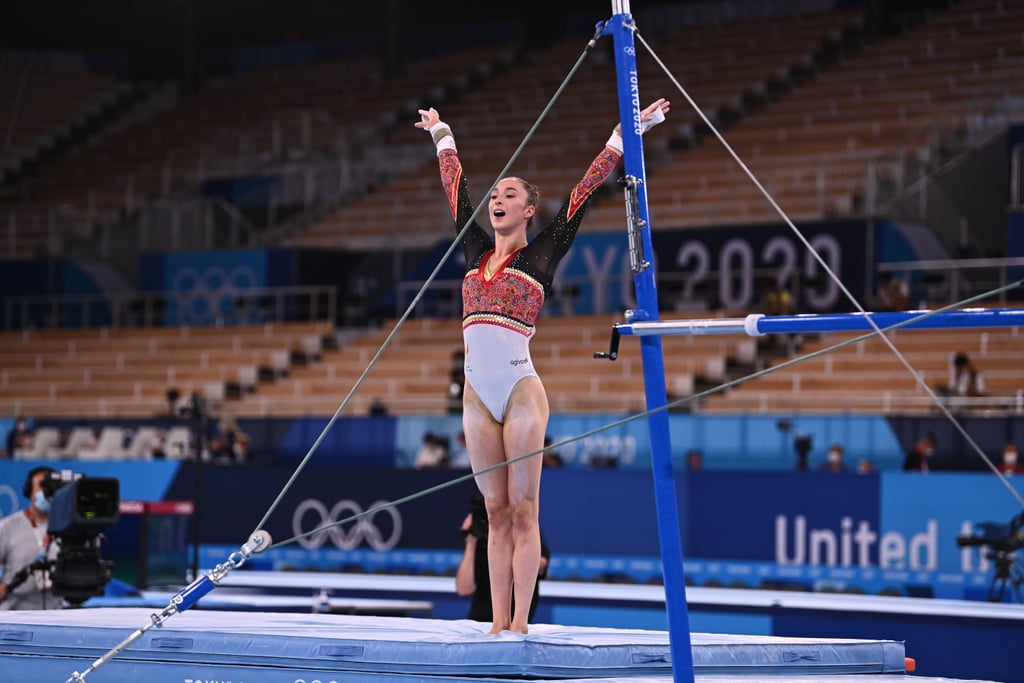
(1008, 571)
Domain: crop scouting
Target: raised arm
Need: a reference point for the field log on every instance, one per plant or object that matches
(476, 241)
(554, 241)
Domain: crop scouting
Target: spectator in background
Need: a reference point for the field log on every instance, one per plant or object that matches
(156, 449)
(865, 466)
(241, 448)
(378, 407)
(778, 300)
(19, 438)
(1010, 463)
(460, 455)
(551, 456)
(231, 444)
(893, 293)
(916, 459)
(432, 453)
(456, 382)
(694, 460)
(834, 460)
(964, 379)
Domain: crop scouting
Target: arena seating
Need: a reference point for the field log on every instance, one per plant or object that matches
(235, 125)
(816, 135)
(288, 370)
(491, 121)
(816, 147)
(127, 372)
(39, 109)
(812, 146)
(413, 372)
(869, 377)
(41, 105)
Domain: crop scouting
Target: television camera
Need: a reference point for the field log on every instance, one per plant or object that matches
(81, 509)
(999, 543)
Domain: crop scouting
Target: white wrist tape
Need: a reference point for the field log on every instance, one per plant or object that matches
(657, 116)
(615, 141)
(442, 136)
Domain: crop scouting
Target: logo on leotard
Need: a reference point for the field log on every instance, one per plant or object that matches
(519, 361)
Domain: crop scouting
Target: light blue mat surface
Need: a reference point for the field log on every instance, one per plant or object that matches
(249, 646)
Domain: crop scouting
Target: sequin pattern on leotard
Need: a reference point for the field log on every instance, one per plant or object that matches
(513, 297)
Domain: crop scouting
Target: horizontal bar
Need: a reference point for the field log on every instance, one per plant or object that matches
(756, 324)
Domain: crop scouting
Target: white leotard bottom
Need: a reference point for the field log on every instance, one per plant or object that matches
(496, 359)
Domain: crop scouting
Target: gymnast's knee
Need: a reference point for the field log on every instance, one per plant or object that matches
(524, 516)
(499, 518)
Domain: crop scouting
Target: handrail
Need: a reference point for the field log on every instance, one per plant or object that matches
(135, 308)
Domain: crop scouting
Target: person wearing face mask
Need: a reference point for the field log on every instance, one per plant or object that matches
(23, 541)
(505, 407)
(1011, 463)
(916, 459)
(834, 463)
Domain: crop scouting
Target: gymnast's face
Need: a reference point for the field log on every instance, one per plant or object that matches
(510, 207)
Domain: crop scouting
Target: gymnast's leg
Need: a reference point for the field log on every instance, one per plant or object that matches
(486, 449)
(526, 420)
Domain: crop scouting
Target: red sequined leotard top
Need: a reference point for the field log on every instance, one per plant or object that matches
(513, 297)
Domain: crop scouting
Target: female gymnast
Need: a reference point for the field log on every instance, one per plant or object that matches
(505, 407)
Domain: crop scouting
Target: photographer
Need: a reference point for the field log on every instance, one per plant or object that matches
(24, 541)
(473, 577)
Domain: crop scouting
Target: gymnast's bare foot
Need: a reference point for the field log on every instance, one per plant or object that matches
(512, 628)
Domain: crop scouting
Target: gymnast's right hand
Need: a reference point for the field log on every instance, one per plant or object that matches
(428, 117)
(439, 131)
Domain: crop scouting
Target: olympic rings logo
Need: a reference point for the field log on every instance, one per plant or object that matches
(204, 296)
(363, 529)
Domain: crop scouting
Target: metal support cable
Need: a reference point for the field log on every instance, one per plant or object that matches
(918, 378)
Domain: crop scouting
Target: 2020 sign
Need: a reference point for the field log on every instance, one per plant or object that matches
(731, 272)
(722, 268)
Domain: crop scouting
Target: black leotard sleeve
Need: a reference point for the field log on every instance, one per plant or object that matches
(541, 257)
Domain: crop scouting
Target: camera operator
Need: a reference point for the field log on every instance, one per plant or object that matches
(26, 551)
(472, 577)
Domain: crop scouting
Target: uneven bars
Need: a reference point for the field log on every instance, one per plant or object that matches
(757, 324)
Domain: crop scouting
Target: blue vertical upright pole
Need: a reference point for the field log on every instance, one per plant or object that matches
(642, 262)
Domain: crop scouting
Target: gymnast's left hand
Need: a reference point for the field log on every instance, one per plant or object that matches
(648, 114)
(428, 117)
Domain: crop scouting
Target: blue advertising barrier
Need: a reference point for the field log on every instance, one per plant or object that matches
(892, 532)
